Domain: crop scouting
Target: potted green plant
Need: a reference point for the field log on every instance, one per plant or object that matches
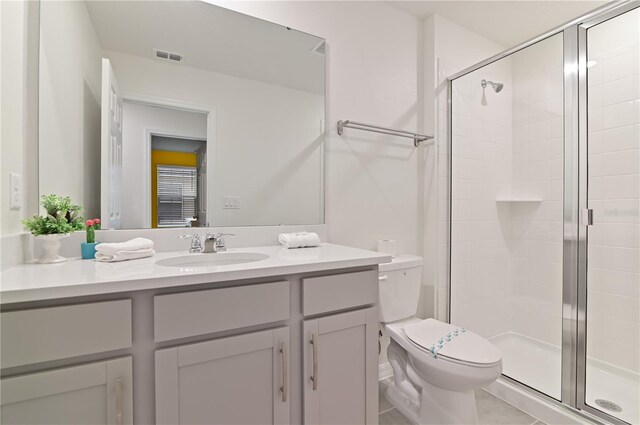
(88, 248)
(62, 217)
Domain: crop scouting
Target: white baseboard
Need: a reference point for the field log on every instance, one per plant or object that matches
(384, 371)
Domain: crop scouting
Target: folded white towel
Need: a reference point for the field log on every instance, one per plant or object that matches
(299, 240)
(121, 251)
(136, 244)
(124, 255)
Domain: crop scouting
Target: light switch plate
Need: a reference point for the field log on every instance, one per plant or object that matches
(230, 202)
(15, 182)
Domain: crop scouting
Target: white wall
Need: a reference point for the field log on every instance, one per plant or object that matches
(69, 133)
(19, 126)
(372, 186)
(137, 119)
(449, 48)
(13, 74)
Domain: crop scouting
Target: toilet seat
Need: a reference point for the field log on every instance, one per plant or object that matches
(456, 345)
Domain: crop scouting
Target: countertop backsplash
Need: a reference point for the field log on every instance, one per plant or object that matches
(25, 248)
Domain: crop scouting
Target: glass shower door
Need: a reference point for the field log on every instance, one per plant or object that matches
(507, 210)
(545, 211)
(612, 364)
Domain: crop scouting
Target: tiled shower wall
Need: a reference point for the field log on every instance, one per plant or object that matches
(482, 158)
(507, 196)
(536, 224)
(507, 256)
(613, 311)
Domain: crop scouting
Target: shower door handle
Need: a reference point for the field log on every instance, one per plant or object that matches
(587, 216)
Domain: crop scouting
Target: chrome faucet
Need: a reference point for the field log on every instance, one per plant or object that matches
(196, 243)
(214, 242)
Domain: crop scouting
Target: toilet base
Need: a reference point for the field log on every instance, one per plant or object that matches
(402, 403)
(423, 402)
(437, 406)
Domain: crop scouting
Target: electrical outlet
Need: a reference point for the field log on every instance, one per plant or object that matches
(15, 188)
(230, 202)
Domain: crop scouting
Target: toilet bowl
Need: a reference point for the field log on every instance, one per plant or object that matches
(436, 365)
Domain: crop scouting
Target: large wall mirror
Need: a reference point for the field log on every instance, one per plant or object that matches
(180, 113)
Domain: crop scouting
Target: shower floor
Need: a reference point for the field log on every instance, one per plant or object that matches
(538, 365)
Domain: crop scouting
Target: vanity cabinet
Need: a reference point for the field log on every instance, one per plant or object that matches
(340, 368)
(298, 348)
(85, 393)
(94, 393)
(236, 380)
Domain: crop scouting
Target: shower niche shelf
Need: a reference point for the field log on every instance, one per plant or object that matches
(519, 200)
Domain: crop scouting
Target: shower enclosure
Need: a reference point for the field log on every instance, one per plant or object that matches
(544, 211)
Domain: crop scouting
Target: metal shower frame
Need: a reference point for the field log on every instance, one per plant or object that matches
(574, 287)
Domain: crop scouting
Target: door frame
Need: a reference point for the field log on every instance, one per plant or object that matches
(583, 204)
(147, 195)
(162, 102)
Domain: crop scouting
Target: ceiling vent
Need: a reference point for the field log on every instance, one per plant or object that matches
(319, 48)
(169, 56)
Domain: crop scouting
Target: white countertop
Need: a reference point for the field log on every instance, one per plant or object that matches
(76, 277)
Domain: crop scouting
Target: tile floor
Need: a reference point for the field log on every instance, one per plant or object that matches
(491, 411)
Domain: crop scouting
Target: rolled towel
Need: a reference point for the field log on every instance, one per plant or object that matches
(121, 251)
(124, 255)
(299, 240)
(136, 244)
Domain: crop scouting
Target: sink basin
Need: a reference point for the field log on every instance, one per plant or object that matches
(212, 260)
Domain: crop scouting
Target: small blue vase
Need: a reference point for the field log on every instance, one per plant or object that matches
(88, 250)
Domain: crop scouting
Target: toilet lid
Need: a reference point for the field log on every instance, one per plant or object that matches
(452, 342)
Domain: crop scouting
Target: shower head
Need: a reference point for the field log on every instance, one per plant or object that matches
(496, 86)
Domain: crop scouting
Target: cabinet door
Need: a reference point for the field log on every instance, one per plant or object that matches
(95, 393)
(341, 369)
(237, 380)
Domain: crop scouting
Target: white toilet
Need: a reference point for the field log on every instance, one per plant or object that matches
(436, 366)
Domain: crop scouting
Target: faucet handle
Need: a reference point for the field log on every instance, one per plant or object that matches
(218, 240)
(196, 243)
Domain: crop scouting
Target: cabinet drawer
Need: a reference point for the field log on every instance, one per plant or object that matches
(215, 310)
(338, 292)
(44, 334)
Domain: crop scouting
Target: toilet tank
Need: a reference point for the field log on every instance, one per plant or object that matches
(399, 287)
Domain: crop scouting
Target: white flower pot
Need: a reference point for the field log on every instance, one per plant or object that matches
(51, 247)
